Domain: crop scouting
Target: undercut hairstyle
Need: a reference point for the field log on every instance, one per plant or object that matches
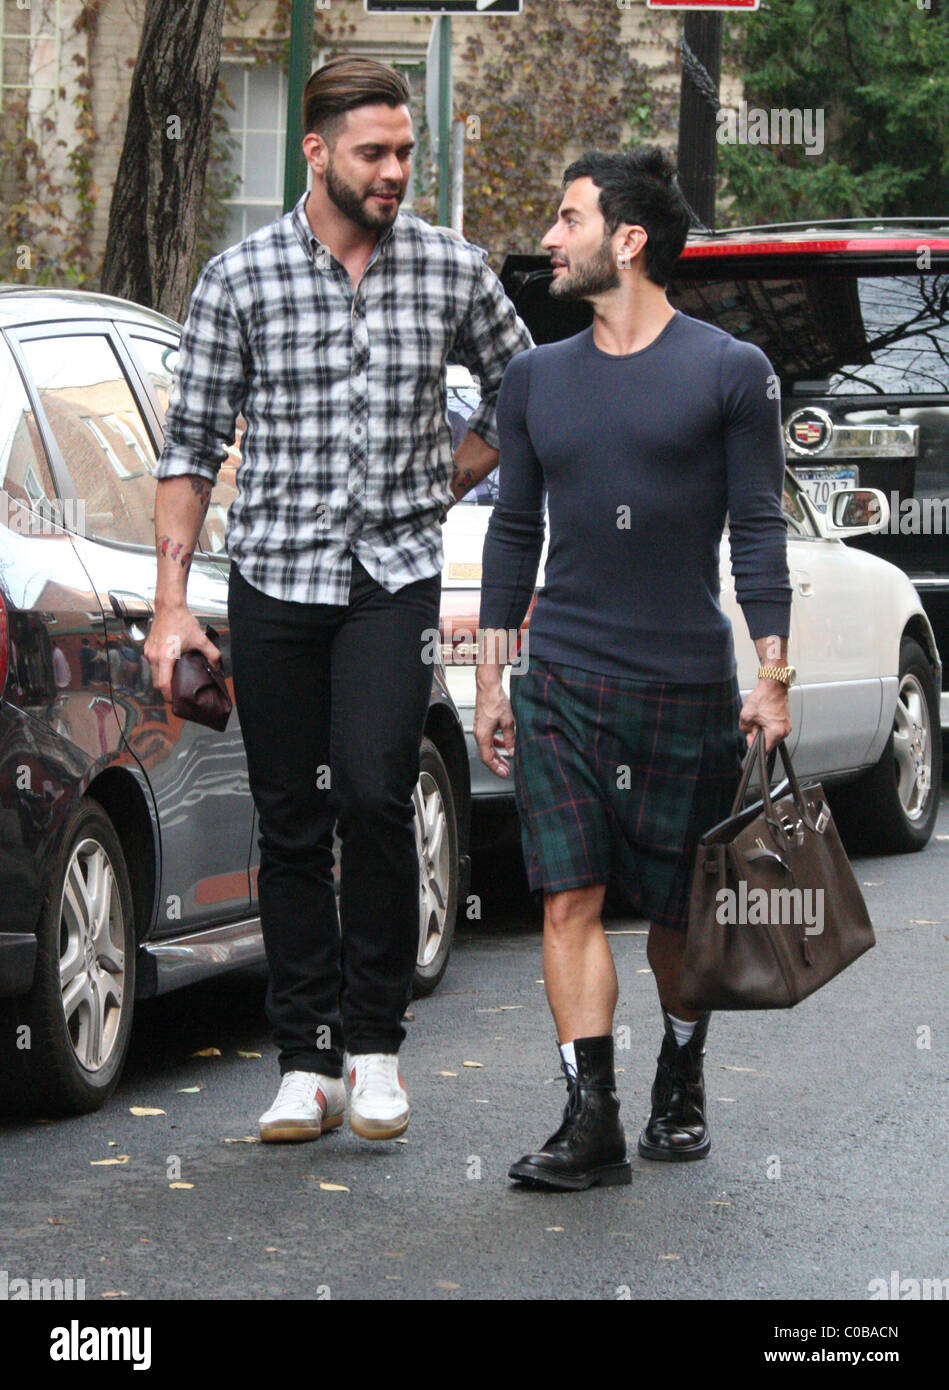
(639, 187)
(344, 83)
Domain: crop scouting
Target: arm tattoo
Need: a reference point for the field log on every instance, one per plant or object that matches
(201, 489)
(169, 549)
(462, 481)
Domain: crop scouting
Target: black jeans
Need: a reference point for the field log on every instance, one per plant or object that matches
(332, 702)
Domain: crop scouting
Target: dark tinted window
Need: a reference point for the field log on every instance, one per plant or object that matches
(833, 333)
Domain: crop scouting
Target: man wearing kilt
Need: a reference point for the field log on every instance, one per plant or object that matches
(645, 432)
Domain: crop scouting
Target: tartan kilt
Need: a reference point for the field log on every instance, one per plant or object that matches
(616, 780)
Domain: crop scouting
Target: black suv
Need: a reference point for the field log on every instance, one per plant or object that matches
(854, 315)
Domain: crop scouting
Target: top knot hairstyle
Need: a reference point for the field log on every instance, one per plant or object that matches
(639, 187)
(344, 83)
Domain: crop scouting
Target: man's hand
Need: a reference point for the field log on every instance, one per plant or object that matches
(493, 726)
(766, 708)
(174, 630)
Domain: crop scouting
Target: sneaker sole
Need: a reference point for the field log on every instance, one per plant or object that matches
(377, 1129)
(613, 1175)
(298, 1133)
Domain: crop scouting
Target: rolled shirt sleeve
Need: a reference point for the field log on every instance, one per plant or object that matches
(210, 383)
(489, 337)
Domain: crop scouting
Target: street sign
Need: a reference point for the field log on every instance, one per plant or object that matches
(466, 7)
(700, 4)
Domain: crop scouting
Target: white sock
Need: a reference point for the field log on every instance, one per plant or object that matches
(682, 1030)
(570, 1058)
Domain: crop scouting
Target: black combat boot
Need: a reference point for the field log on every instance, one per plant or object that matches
(589, 1148)
(677, 1130)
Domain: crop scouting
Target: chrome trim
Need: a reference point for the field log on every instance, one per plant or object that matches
(938, 581)
(184, 959)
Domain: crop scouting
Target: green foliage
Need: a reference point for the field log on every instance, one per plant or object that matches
(878, 69)
(557, 80)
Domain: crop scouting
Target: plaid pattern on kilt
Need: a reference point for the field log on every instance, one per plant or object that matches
(616, 780)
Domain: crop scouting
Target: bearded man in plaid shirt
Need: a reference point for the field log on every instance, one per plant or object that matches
(644, 431)
(329, 331)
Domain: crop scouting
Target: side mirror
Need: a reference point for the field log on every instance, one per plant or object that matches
(856, 511)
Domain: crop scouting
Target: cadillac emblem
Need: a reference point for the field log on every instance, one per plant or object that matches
(808, 432)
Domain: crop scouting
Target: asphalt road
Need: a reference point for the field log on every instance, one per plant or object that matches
(827, 1171)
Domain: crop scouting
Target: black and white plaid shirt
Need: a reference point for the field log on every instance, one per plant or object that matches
(347, 449)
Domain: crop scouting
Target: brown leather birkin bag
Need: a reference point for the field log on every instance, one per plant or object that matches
(775, 910)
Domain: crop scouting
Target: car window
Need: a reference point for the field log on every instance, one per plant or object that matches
(159, 360)
(24, 469)
(795, 512)
(461, 402)
(832, 331)
(100, 432)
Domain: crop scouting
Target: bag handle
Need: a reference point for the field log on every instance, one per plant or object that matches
(755, 759)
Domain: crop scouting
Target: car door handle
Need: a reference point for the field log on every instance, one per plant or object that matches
(130, 608)
(805, 587)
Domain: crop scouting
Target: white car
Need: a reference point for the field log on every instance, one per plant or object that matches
(865, 708)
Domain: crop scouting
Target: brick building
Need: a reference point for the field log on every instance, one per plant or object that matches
(55, 53)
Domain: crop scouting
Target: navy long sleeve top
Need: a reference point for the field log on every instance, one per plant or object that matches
(641, 457)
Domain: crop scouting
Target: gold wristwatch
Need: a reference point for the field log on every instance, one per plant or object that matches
(785, 674)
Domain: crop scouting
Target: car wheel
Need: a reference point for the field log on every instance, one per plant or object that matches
(73, 1029)
(892, 808)
(436, 838)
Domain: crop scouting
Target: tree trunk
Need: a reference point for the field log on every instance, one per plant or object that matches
(154, 214)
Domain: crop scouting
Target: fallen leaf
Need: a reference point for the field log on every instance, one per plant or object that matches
(189, 1090)
(108, 1162)
(644, 970)
(55, 1221)
(670, 1257)
(246, 1139)
(114, 1293)
(719, 1204)
(941, 837)
(144, 1110)
(394, 1254)
(726, 1100)
(872, 882)
(723, 1066)
(333, 1187)
(113, 1143)
(207, 1052)
(620, 1070)
(396, 1277)
(272, 1250)
(538, 982)
(248, 1054)
(181, 1186)
(553, 1228)
(500, 1009)
(922, 922)
(472, 1064)
(444, 1284)
(401, 1141)
(479, 1102)
(446, 1073)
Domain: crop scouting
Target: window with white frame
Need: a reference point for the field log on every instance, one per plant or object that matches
(31, 52)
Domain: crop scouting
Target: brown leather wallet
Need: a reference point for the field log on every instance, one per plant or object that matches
(198, 692)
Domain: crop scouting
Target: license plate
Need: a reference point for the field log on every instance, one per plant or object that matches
(819, 483)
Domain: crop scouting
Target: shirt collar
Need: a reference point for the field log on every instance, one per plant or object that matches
(312, 244)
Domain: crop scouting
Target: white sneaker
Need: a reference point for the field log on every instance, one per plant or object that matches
(306, 1105)
(379, 1103)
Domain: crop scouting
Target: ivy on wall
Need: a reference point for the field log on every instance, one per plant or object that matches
(558, 80)
(47, 224)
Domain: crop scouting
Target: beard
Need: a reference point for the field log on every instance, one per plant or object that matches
(593, 276)
(355, 206)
